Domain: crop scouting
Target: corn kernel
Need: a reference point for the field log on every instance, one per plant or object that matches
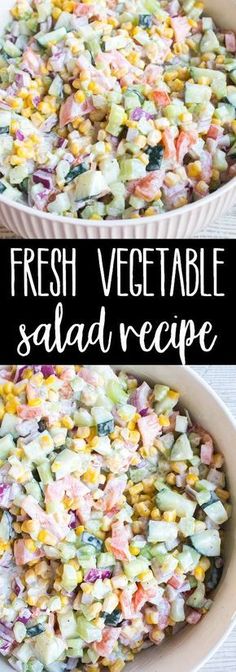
(169, 516)
(146, 576)
(67, 422)
(46, 537)
(194, 169)
(134, 550)
(136, 489)
(163, 420)
(151, 617)
(79, 530)
(143, 509)
(56, 12)
(8, 388)
(191, 479)
(204, 563)
(199, 573)
(30, 545)
(155, 514)
(82, 432)
(79, 97)
(170, 479)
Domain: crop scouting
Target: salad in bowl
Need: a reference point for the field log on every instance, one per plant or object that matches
(115, 110)
(113, 505)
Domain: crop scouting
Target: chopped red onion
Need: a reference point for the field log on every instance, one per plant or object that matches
(20, 136)
(18, 586)
(22, 79)
(95, 574)
(42, 177)
(6, 633)
(5, 647)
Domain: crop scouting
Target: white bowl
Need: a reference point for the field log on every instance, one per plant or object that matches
(193, 646)
(181, 223)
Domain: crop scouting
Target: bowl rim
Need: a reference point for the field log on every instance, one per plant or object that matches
(113, 223)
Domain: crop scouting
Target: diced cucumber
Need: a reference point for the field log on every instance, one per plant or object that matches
(53, 37)
(68, 461)
(9, 424)
(5, 526)
(48, 648)
(186, 526)
(7, 446)
(131, 99)
(105, 560)
(207, 23)
(116, 392)
(177, 610)
(67, 624)
(37, 449)
(75, 647)
(87, 631)
(115, 120)
(225, 112)
(69, 578)
(217, 79)
(127, 412)
(110, 169)
(203, 496)
(160, 392)
(215, 510)
(131, 169)
(197, 93)
(33, 488)
(181, 423)
(207, 542)
(160, 530)
(188, 559)
(138, 475)
(56, 88)
(231, 95)
(135, 567)
(233, 76)
(103, 419)
(168, 500)
(11, 49)
(83, 418)
(219, 160)
(209, 42)
(181, 449)
(90, 183)
(45, 473)
(197, 599)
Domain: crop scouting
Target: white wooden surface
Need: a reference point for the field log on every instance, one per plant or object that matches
(223, 380)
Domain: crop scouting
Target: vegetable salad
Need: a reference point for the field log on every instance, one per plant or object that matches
(115, 110)
(112, 502)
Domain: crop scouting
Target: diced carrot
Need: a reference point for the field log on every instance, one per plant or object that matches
(161, 98)
(169, 144)
(105, 646)
(147, 187)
